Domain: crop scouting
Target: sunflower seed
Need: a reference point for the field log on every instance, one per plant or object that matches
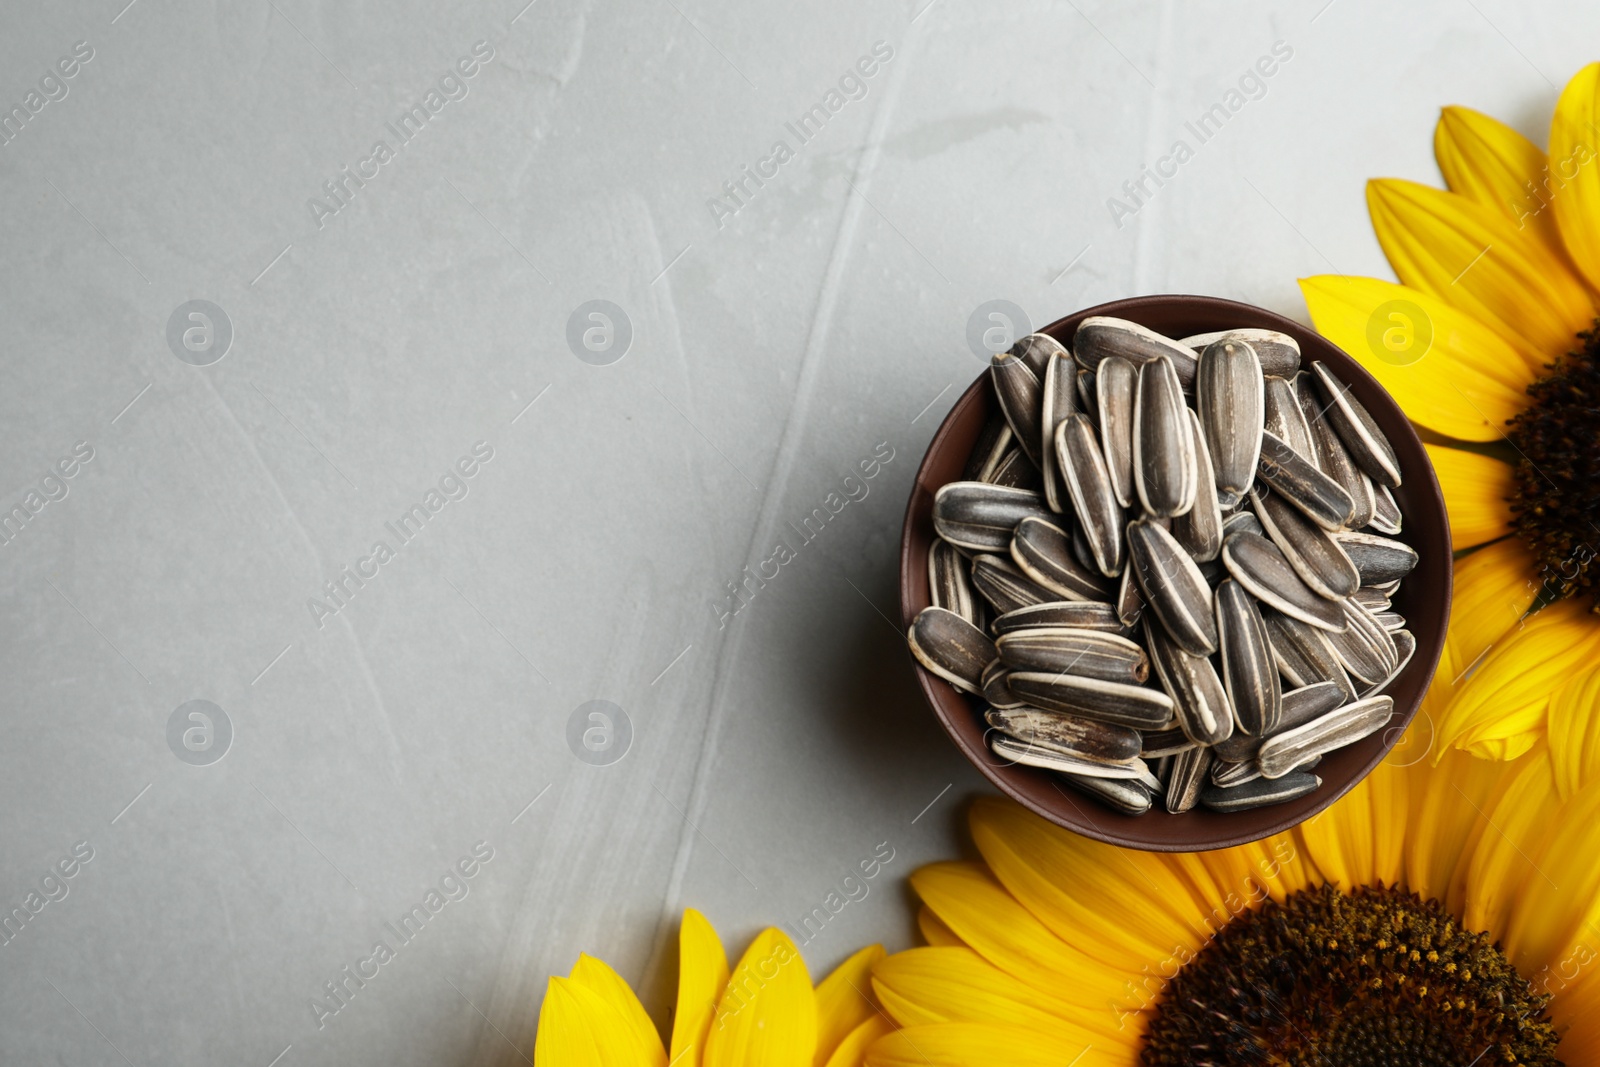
(1386, 517)
(993, 443)
(1380, 560)
(948, 584)
(1036, 349)
(1242, 520)
(1004, 586)
(1240, 748)
(1137, 706)
(1101, 336)
(1017, 471)
(1316, 557)
(1190, 769)
(1371, 599)
(1260, 566)
(980, 517)
(1164, 469)
(1225, 775)
(1078, 614)
(1089, 485)
(1260, 793)
(1046, 757)
(1173, 587)
(1067, 734)
(1199, 530)
(1130, 603)
(1157, 743)
(1020, 393)
(1284, 419)
(1120, 794)
(1303, 484)
(1114, 384)
(1285, 751)
(1059, 400)
(1087, 393)
(1390, 620)
(1303, 654)
(1309, 702)
(1365, 647)
(1279, 353)
(1389, 588)
(1357, 430)
(1405, 643)
(1248, 671)
(1198, 696)
(992, 686)
(1044, 553)
(1228, 399)
(951, 647)
(1336, 461)
(1087, 653)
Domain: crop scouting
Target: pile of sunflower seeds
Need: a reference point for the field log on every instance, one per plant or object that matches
(1202, 506)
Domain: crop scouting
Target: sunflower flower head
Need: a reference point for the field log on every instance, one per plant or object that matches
(1488, 342)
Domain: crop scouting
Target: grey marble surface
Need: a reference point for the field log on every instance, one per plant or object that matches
(415, 723)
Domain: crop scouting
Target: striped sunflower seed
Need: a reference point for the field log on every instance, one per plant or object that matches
(1390, 620)
(1372, 599)
(1078, 614)
(1004, 586)
(1068, 734)
(1386, 517)
(1190, 771)
(1364, 646)
(1198, 696)
(1405, 643)
(951, 647)
(1120, 794)
(1285, 420)
(1279, 353)
(1360, 434)
(1046, 757)
(1228, 399)
(1044, 553)
(1036, 350)
(1260, 566)
(1087, 394)
(1017, 471)
(1302, 483)
(1173, 587)
(1130, 602)
(1114, 385)
(1157, 743)
(1089, 485)
(1164, 470)
(1228, 775)
(1260, 793)
(1020, 392)
(1303, 654)
(1242, 520)
(1334, 458)
(994, 688)
(1199, 530)
(1316, 557)
(993, 444)
(1087, 653)
(1100, 336)
(1137, 706)
(1285, 751)
(1059, 399)
(948, 582)
(980, 517)
(1249, 673)
(1379, 560)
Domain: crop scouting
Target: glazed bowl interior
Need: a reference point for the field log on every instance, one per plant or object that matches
(1423, 598)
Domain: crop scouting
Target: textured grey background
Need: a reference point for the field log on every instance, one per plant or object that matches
(772, 352)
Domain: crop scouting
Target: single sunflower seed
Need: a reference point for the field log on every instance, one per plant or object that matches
(951, 647)
(1165, 474)
(1279, 353)
(1379, 560)
(1405, 643)
(994, 689)
(1020, 393)
(1199, 530)
(1114, 386)
(1140, 707)
(1128, 796)
(1285, 751)
(1059, 399)
(1319, 560)
(1017, 471)
(994, 442)
(1390, 620)
(1190, 770)
(1335, 459)
(1088, 653)
(1302, 483)
(979, 517)
(1100, 336)
(1173, 586)
(1078, 614)
(1249, 673)
(1036, 349)
(1360, 434)
(1372, 599)
(1087, 392)
(1260, 793)
(1004, 586)
(1157, 743)
(948, 583)
(1242, 520)
(1285, 420)
(1047, 757)
(1303, 654)
(1260, 566)
(1071, 734)
(1198, 695)
(1044, 553)
(1386, 517)
(1089, 485)
(1228, 400)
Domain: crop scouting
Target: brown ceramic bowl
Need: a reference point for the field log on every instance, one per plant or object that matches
(1424, 597)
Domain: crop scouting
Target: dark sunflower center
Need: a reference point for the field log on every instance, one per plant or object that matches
(1375, 978)
(1556, 507)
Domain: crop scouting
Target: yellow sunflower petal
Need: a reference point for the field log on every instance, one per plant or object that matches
(1446, 810)
(933, 985)
(852, 1051)
(600, 979)
(1574, 732)
(1485, 160)
(768, 1015)
(934, 931)
(1467, 383)
(702, 975)
(1510, 850)
(983, 1045)
(1068, 881)
(580, 1027)
(1477, 260)
(1508, 696)
(1359, 840)
(844, 1000)
(1558, 903)
(1573, 164)
(1477, 493)
(989, 919)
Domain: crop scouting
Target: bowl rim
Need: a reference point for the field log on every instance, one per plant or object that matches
(1142, 833)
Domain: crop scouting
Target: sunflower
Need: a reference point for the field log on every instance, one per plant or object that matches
(1488, 342)
(1438, 914)
(765, 1014)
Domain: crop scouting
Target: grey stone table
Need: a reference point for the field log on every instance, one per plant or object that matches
(454, 456)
